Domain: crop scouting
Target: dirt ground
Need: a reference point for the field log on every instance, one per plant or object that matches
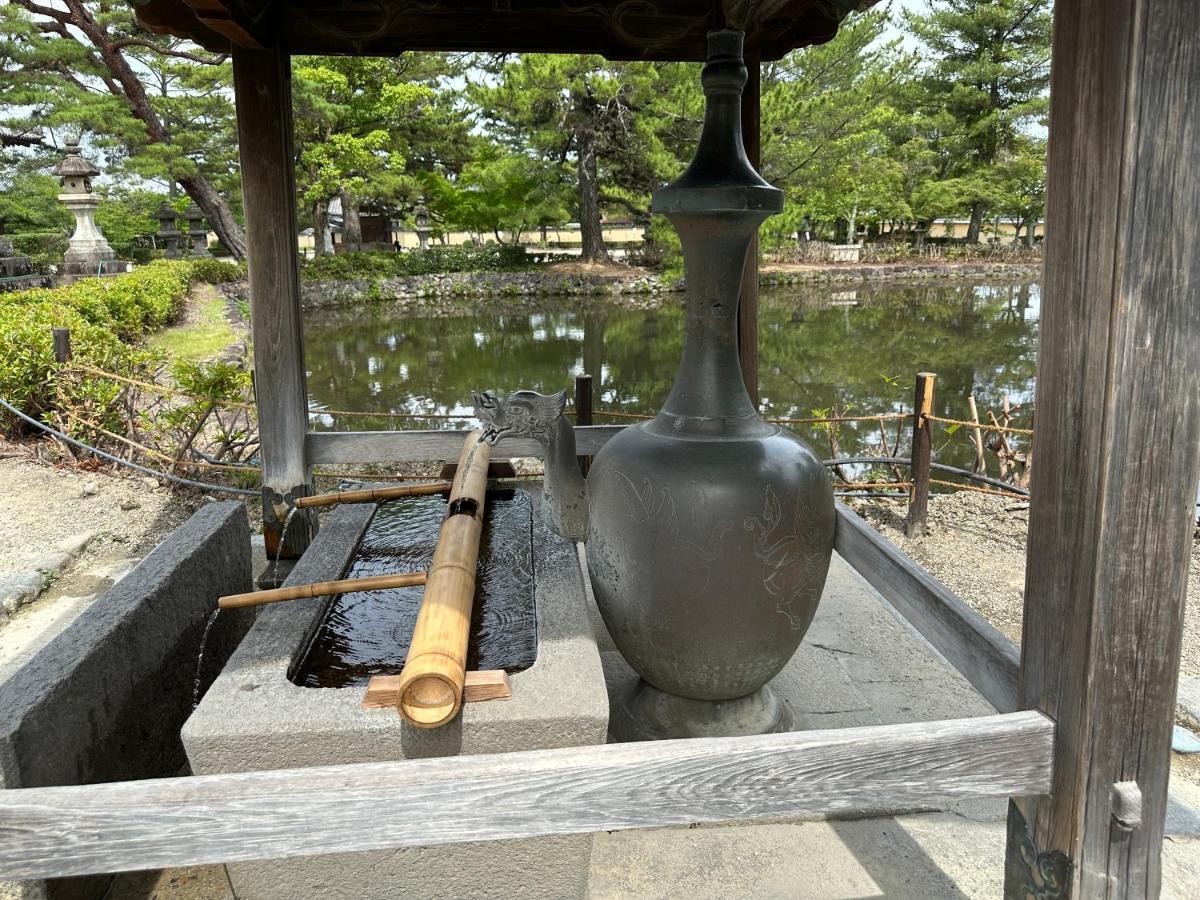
(976, 547)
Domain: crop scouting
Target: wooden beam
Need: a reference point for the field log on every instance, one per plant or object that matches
(970, 643)
(263, 86)
(1118, 443)
(329, 447)
(748, 307)
(63, 831)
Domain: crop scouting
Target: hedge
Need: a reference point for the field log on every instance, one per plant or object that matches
(108, 317)
(435, 260)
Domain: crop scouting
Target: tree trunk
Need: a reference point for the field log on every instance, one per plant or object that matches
(590, 229)
(351, 226)
(976, 226)
(125, 84)
(1030, 228)
(320, 217)
(217, 211)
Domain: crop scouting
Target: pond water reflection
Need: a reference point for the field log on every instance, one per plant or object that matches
(821, 348)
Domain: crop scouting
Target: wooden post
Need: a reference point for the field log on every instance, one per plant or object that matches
(922, 454)
(262, 82)
(62, 344)
(1118, 438)
(748, 307)
(583, 412)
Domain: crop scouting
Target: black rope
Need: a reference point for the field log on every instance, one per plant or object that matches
(124, 462)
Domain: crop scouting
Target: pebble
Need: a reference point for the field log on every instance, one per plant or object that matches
(150, 482)
(130, 504)
(90, 489)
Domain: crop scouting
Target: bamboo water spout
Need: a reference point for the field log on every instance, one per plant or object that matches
(431, 683)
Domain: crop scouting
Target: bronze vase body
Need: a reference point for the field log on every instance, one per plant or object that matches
(709, 531)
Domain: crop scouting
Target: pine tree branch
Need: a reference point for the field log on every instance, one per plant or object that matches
(168, 51)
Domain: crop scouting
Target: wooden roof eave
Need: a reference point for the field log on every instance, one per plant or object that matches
(616, 29)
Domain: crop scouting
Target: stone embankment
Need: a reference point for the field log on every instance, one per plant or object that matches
(815, 274)
(429, 294)
(432, 295)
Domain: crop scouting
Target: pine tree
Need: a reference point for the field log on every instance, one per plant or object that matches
(986, 84)
(162, 108)
(602, 119)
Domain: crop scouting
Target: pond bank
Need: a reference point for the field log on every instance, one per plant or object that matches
(444, 294)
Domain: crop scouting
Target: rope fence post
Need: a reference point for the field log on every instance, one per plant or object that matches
(922, 454)
(62, 344)
(583, 412)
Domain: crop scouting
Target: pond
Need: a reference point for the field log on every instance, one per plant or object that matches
(822, 350)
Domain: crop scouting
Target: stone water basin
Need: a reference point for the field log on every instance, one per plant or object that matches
(259, 713)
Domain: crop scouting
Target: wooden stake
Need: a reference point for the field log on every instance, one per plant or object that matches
(62, 344)
(322, 589)
(583, 413)
(490, 684)
(431, 684)
(922, 454)
(976, 436)
(372, 494)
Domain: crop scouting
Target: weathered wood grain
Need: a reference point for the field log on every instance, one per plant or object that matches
(325, 447)
(1118, 438)
(922, 454)
(263, 87)
(261, 815)
(970, 643)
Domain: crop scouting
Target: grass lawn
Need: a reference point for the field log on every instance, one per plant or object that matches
(203, 334)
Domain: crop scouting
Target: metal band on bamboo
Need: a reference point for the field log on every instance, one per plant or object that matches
(431, 683)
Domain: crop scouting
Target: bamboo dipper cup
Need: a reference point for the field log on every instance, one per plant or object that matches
(431, 683)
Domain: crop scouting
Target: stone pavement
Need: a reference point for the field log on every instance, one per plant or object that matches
(860, 664)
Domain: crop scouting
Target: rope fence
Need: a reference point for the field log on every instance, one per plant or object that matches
(920, 484)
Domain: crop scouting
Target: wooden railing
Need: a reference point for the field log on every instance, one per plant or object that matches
(62, 831)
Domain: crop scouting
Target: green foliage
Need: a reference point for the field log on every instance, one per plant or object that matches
(106, 316)
(345, 266)
(127, 219)
(216, 271)
(498, 193)
(986, 83)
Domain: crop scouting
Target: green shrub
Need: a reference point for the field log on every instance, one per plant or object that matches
(216, 271)
(29, 377)
(44, 248)
(107, 317)
(436, 260)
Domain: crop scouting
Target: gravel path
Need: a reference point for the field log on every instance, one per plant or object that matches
(976, 547)
(44, 504)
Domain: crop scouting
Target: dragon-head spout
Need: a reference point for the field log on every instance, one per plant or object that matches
(520, 414)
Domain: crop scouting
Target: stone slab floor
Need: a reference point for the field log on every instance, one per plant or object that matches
(860, 664)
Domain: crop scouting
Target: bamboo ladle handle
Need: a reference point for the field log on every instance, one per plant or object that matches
(368, 495)
(322, 589)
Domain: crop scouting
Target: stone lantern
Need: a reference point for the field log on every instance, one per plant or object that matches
(197, 230)
(421, 216)
(89, 253)
(168, 234)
